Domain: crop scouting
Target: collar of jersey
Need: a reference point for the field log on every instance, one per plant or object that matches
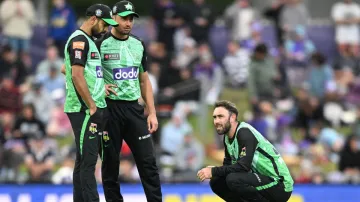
(118, 38)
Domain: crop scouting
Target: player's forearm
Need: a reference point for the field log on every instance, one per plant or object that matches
(222, 171)
(83, 90)
(147, 95)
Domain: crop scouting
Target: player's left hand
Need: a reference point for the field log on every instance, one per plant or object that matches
(152, 123)
(204, 174)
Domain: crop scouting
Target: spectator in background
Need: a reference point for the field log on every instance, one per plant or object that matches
(262, 74)
(274, 13)
(346, 68)
(13, 153)
(17, 19)
(298, 47)
(349, 160)
(40, 160)
(10, 96)
(346, 15)
(200, 19)
(13, 65)
(65, 173)
(7, 61)
(309, 109)
(157, 53)
(256, 29)
(210, 75)
(187, 55)
(320, 76)
(42, 11)
(328, 137)
(189, 159)
(172, 138)
(59, 124)
(167, 17)
(53, 80)
(239, 17)
(41, 100)
(27, 125)
(52, 60)
(182, 33)
(62, 24)
(294, 13)
(236, 64)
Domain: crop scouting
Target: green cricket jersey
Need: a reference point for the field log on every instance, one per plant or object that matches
(123, 61)
(250, 151)
(81, 50)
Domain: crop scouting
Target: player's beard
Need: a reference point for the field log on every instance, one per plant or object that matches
(124, 31)
(96, 32)
(224, 128)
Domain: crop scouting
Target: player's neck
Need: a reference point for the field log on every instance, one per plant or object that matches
(86, 29)
(119, 35)
(232, 131)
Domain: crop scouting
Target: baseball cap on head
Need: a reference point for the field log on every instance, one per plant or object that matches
(124, 8)
(103, 12)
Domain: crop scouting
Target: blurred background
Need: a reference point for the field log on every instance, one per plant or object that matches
(291, 66)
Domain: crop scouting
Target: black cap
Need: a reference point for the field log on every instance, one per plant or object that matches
(124, 8)
(102, 11)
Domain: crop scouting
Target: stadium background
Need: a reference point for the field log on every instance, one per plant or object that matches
(314, 125)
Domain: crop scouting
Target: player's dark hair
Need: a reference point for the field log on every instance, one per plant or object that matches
(231, 107)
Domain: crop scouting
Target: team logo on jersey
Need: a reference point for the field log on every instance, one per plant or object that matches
(112, 56)
(78, 45)
(94, 55)
(243, 152)
(127, 73)
(99, 72)
(106, 136)
(78, 54)
(93, 128)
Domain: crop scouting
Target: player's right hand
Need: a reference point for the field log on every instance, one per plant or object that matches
(108, 89)
(93, 110)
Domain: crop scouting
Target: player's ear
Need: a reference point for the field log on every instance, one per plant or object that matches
(93, 20)
(233, 117)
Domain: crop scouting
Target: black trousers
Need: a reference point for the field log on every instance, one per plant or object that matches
(87, 130)
(237, 187)
(127, 122)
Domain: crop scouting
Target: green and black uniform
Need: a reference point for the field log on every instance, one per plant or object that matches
(123, 62)
(80, 50)
(253, 170)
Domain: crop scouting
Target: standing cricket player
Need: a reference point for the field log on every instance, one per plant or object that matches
(85, 98)
(125, 73)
